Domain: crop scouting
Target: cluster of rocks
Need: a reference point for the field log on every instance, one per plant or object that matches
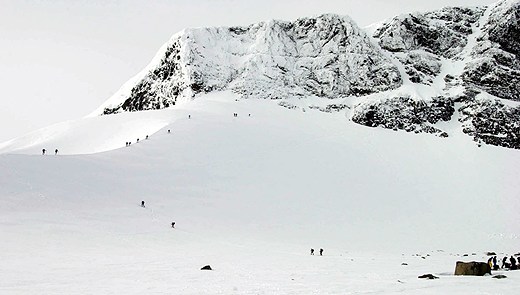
(405, 113)
(491, 122)
(330, 108)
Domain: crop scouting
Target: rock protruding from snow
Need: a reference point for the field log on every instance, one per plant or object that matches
(327, 56)
(491, 122)
(472, 268)
(206, 267)
(496, 57)
(405, 113)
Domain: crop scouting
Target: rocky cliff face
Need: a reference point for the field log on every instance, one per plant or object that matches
(495, 67)
(327, 56)
(471, 55)
(412, 72)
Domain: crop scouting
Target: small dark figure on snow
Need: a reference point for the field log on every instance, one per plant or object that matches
(513, 263)
(142, 204)
(169, 131)
(249, 115)
(189, 116)
(146, 137)
(312, 251)
(321, 252)
(137, 140)
(126, 143)
(173, 224)
(504, 262)
(55, 151)
(43, 151)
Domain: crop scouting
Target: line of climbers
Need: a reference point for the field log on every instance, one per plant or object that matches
(129, 143)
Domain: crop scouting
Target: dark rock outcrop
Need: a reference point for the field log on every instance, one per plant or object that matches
(472, 268)
(491, 122)
(428, 277)
(405, 113)
(496, 57)
(206, 267)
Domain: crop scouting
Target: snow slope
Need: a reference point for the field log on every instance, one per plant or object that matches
(250, 196)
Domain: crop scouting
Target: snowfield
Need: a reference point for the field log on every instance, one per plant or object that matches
(250, 196)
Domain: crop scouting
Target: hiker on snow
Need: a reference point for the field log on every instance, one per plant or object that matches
(142, 204)
(55, 151)
(312, 251)
(43, 151)
(173, 224)
(504, 262)
(321, 252)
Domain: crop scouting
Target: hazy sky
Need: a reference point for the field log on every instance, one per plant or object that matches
(59, 60)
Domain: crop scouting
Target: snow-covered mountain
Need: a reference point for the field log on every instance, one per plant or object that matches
(326, 56)
(253, 184)
(454, 62)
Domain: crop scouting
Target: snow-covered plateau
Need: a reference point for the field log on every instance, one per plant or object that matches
(251, 195)
(260, 143)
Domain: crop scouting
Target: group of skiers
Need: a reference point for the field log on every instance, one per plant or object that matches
(512, 264)
(44, 151)
(321, 251)
(129, 143)
(236, 115)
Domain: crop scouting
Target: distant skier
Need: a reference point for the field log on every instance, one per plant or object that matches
(321, 252)
(173, 224)
(189, 116)
(142, 204)
(312, 251)
(137, 140)
(43, 151)
(55, 151)
(169, 131)
(146, 137)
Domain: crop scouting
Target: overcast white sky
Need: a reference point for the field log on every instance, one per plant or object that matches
(60, 59)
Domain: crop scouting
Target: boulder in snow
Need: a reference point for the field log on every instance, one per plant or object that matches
(472, 268)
